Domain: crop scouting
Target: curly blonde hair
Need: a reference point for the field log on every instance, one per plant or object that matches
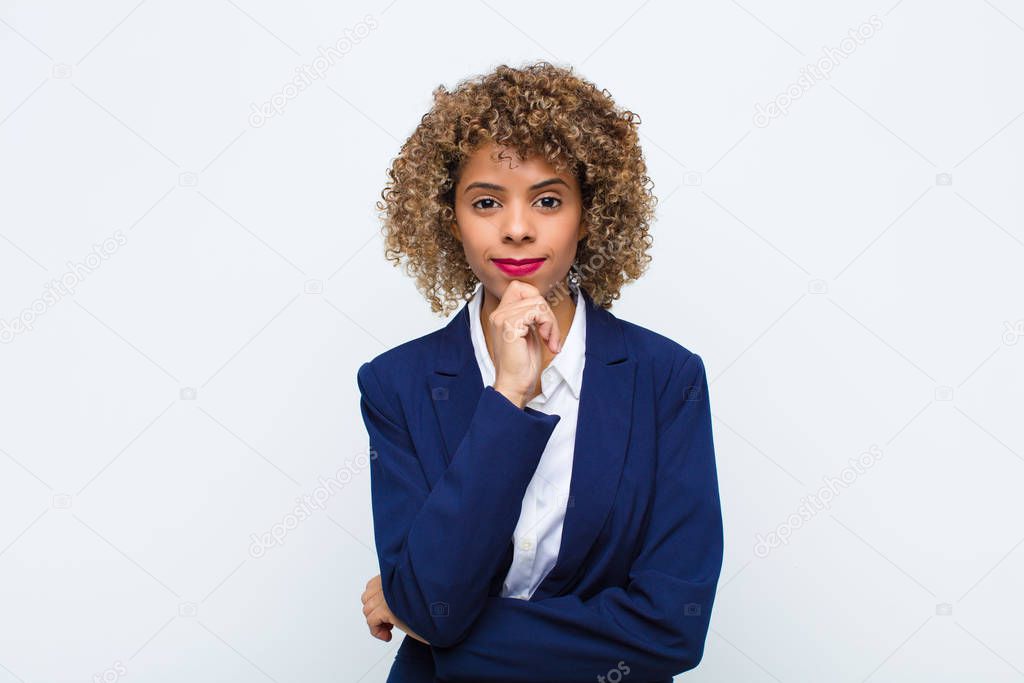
(542, 109)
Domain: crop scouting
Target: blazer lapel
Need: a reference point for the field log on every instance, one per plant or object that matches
(602, 434)
(455, 383)
(602, 430)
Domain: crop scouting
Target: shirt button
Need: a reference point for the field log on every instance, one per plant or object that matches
(525, 544)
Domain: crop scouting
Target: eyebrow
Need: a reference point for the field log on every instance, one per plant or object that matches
(499, 188)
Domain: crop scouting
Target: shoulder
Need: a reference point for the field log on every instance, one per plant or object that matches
(409, 356)
(387, 380)
(677, 369)
(656, 349)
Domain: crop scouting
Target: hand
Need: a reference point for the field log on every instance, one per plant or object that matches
(521, 323)
(378, 615)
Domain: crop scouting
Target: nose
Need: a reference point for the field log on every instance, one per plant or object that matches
(517, 226)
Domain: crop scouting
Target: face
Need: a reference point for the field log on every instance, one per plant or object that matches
(508, 209)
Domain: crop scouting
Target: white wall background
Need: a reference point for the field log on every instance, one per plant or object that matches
(850, 272)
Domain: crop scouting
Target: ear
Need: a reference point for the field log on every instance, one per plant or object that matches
(582, 232)
(453, 227)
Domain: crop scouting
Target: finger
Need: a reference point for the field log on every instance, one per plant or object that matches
(547, 326)
(552, 333)
(511, 309)
(542, 323)
(369, 593)
(375, 602)
(532, 312)
(378, 617)
(513, 329)
(526, 302)
(382, 631)
(522, 307)
(518, 289)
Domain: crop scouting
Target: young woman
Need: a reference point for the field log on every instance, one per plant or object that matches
(544, 489)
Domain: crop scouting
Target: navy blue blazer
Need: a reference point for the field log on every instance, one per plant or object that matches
(642, 542)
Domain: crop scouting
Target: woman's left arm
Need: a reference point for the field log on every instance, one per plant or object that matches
(655, 627)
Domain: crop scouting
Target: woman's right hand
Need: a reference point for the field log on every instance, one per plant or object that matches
(522, 321)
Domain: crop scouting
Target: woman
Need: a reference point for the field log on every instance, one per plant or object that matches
(545, 495)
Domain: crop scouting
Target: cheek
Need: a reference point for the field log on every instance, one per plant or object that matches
(470, 244)
(570, 231)
(571, 221)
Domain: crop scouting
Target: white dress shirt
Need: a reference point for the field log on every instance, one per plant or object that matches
(538, 535)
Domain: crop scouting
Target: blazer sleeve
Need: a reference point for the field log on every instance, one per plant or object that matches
(654, 627)
(439, 547)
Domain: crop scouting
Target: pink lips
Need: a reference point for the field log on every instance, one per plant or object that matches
(518, 267)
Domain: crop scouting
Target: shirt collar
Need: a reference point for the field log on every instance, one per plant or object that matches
(568, 362)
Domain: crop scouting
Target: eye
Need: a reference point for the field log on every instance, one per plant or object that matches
(484, 199)
(557, 201)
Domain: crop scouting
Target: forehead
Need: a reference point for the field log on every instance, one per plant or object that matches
(505, 166)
